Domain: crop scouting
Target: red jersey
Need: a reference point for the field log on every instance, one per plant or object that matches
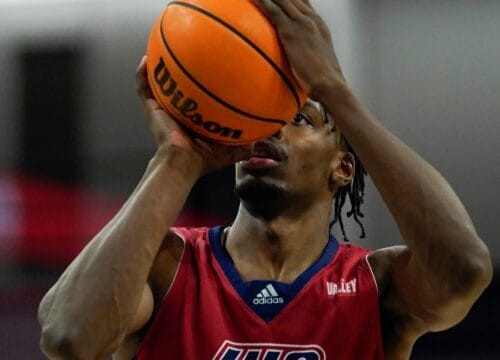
(331, 311)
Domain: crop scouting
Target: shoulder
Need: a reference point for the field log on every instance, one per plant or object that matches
(351, 250)
(400, 327)
(178, 243)
(353, 256)
(170, 256)
(189, 235)
(382, 263)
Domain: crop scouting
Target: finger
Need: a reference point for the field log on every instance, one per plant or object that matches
(289, 8)
(272, 11)
(307, 9)
(307, 3)
(151, 110)
(141, 71)
(141, 75)
(303, 6)
(160, 122)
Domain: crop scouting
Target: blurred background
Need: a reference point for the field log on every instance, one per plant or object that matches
(73, 143)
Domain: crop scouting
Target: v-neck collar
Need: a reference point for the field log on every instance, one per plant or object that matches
(267, 298)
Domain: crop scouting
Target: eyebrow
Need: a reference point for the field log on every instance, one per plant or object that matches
(321, 109)
(314, 104)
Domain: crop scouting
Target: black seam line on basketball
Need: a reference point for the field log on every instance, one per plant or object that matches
(208, 92)
(250, 43)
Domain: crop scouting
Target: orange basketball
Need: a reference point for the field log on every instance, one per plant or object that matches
(218, 68)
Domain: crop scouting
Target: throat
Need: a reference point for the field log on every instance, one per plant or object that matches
(271, 256)
(266, 285)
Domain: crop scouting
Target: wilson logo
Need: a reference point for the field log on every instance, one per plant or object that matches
(186, 106)
(267, 351)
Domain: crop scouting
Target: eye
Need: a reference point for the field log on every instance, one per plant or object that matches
(302, 119)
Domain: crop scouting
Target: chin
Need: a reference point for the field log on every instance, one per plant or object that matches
(261, 198)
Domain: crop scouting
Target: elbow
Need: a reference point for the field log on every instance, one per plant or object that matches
(58, 344)
(483, 267)
(57, 341)
(475, 271)
(62, 338)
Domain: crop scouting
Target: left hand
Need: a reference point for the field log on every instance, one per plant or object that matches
(170, 136)
(307, 42)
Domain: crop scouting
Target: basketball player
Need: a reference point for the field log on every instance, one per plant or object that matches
(274, 284)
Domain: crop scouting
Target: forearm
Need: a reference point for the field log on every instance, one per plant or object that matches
(430, 216)
(95, 300)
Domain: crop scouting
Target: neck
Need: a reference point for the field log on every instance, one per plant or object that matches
(281, 248)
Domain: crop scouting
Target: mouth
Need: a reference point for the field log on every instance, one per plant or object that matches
(265, 155)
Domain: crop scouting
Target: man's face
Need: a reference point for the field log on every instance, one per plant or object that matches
(294, 165)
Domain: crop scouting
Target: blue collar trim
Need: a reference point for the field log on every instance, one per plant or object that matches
(267, 298)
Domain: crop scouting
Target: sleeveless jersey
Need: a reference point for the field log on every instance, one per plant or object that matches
(331, 311)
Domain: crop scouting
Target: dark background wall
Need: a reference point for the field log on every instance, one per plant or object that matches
(428, 70)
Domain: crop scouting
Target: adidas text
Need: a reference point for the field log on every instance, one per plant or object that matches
(267, 301)
(268, 296)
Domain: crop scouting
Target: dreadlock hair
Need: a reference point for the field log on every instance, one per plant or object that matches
(355, 190)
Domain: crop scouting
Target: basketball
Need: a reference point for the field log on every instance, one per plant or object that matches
(218, 68)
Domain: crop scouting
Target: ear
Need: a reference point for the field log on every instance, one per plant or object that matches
(343, 169)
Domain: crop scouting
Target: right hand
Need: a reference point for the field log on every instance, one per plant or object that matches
(171, 138)
(307, 42)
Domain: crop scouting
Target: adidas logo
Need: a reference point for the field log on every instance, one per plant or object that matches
(268, 296)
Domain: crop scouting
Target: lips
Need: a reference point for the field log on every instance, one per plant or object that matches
(265, 155)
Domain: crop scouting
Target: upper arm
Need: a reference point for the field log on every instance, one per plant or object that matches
(426, 301)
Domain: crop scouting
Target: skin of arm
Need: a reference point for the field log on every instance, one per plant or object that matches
(103, 295)
(433, 281)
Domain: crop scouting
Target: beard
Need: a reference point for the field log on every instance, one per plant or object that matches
(262, 199)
